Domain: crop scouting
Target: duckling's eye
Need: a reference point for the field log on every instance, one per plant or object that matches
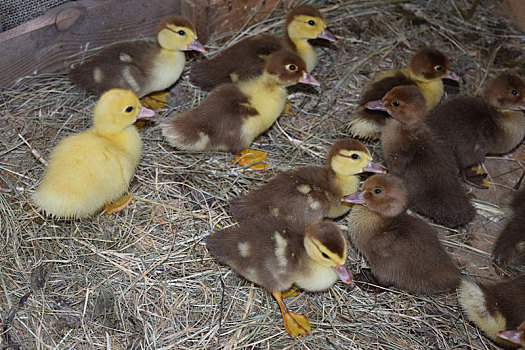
(128, 109)
(355, 156)
(325, 255)
(438, 68)
(377, 191)
(515, 92)
(311, 22)
(181, 32)
(291, 67)
(396, 104)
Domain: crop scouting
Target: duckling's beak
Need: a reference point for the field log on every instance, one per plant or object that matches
(145, 113)
(372, 167)
(308, 79)
(522, 107)
(513, 336)
(375, 105)
(451, 75)
(197, 46)
(356, 197)
(327, 35)
(343, 273)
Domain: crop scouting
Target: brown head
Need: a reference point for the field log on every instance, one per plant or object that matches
(350, 157)
(326, 245)
(178, 33)
(506, 91)
(404, 103)
(431, 64)
(383, 193)
(288, 68)
(306, 22)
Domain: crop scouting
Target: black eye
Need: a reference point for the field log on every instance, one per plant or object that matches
(311, 22)
(438, 68)
(377, 191)
(292, 67)
(515, 92)
(355, 156)
(181, 32)
(129, 109)
(396, 104)
(325, 255)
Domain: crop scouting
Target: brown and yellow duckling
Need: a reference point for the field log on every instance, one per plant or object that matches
(233, 115)
(276, 255)
(141, 66)
(474, 127)
(426, 166)
(247, 58)
(310, 193)
(510, 245)
(403, 251)
(496, 307)
(426, 70)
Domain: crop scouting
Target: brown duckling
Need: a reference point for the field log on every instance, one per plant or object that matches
(426, 70)
(274, 254)
(310, 193)
(426, 166)
(247, 58)
(474, 127)
(403, 251)
(494, 307)
(140, 66)
(510, 245)
(233, 115)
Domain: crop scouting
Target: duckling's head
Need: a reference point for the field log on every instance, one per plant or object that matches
(349, 157)
(306, 22)
(506, 91)
(431, 64)
(288, 68)
(177, 33)
(325, 244)
(404, 103)
(383, 193)
(116, 110)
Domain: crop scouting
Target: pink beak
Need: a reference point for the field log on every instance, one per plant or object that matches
(308, 79)
(451, 75)
(522, 107)
(197, 46)
(343, 273)
(145, 113)
(356, 197)
(327, 35)
(514, 336)
(375, 105)
(374, 168)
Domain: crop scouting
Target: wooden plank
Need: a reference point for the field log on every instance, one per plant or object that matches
(49, 42)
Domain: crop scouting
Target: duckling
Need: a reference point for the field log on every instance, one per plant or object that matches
(494, 307)
(403, 251)
(510, 245)
(233, 115)
(514, 336)
(141, 66)
(310, 193)
(474, 127)
(274, 254)
(426, 166)
(95, 166)
(247, 58)
(426, 70)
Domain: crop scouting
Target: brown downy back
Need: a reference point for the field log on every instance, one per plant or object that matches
(429, 63)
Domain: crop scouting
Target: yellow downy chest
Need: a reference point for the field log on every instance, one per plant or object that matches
(167, 68)
(318, 277)
(347, 185)
(432, 92)
(268, 100)
(307, 53)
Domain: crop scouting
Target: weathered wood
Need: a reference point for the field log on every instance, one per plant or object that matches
(48, 43)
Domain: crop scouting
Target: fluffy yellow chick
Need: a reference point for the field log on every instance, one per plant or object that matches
(94, 167)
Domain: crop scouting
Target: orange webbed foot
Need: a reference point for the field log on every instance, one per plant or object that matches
(117, 205)
(252, 158)
(290, 293)
(476, 178)
(296, 324)
(155, 100)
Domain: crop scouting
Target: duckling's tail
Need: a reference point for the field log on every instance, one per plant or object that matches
(208, 74)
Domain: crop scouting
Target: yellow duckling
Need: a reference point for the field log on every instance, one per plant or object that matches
(426, 70)
(276, 255)
(309, 194)
(94, 167)
(247, 58)
(141, 66)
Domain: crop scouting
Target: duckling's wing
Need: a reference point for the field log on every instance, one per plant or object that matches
(123, 65)
(244, 60)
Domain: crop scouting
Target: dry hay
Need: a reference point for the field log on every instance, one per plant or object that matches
(143, 279)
